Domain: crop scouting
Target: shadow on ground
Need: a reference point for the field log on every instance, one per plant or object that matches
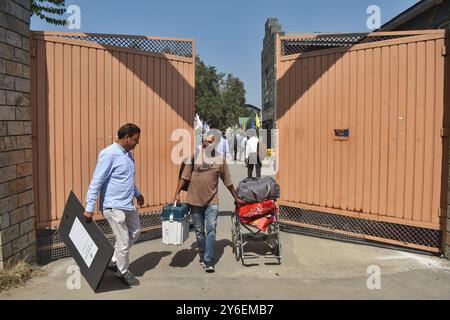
(184, 257)
(111, 282)
(147, 262)
(220, 248)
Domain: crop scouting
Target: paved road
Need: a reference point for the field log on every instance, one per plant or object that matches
(311, 268)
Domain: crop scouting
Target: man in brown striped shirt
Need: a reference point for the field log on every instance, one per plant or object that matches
(203, 174)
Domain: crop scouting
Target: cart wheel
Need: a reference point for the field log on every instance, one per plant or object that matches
(241, 249)
(273, 239)
(237, 251)
(233, 239)
(278, 250)
(234, 236)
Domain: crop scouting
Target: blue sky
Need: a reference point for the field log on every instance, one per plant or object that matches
(229, 34)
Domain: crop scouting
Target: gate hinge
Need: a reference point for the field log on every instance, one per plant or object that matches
(32, 52)
(445, 132)
(442, 212)
(444, 51)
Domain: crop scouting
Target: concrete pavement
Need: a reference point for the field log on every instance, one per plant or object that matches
(311, 268)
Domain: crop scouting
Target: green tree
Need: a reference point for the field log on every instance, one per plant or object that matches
(208, 101)
(220, 102)
(234, 101)
(44, 8)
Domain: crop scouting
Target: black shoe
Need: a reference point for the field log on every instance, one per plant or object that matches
(112, 266)
(130, 279)
(209, 267)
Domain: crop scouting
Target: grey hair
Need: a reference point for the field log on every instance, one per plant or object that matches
(213, 132)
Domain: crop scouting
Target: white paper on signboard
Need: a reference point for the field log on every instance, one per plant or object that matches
(83, 242)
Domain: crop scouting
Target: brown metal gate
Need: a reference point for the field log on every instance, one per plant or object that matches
(84, 87)
(361, 120)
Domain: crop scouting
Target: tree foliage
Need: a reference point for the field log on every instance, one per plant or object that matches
(218, 100)
(234, 101)
(44, 8)
(208, 103)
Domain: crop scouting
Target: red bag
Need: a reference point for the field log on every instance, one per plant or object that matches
(262, 223)
(253, 211)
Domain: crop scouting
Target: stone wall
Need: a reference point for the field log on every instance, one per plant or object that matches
(17, 223)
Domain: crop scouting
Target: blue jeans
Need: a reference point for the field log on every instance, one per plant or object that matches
(205, 241)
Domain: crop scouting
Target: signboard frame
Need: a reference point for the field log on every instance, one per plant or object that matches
(85, 241)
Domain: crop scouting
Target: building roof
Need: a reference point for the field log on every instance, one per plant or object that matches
(253, 107)
(408, 14)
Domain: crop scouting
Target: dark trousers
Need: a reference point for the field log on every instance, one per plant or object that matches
(250, 170)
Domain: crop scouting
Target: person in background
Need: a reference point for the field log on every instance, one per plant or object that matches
(238, 146)
(251, 155)
(243, 146)
(223, 148)
(235, 145)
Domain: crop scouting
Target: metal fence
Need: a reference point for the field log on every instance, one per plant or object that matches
(320, 41)
(359, 228)
(176, 47)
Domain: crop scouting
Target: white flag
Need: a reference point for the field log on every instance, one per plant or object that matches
(198, 124)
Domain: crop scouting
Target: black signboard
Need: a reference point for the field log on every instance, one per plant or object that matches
(85, 241)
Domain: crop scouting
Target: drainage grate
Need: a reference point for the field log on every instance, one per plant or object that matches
(50, 246)
(352, 227)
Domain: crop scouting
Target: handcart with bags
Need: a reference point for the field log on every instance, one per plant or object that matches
(258, 220)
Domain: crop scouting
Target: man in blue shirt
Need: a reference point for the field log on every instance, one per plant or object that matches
(114, 178)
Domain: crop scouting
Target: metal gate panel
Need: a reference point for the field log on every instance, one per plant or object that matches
(360, 118)
(84, 87)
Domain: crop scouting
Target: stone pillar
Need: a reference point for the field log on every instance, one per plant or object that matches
(17, 223)
(268, 70)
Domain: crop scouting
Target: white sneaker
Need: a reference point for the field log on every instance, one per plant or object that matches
(209, 268)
